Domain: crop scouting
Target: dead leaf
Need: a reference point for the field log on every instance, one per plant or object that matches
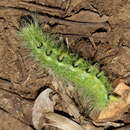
(42, 105)
(116, 109)
(121, 89)
(61, 122)
(43, 114)
(107, 124)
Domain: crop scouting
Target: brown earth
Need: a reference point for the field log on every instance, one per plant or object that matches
(96, 29)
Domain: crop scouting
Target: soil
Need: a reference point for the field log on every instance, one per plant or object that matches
(98, 30)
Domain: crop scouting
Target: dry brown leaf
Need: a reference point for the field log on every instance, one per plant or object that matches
(121, 89)
(42, 105)
(116, 109)
(43, 114)
(61, 122)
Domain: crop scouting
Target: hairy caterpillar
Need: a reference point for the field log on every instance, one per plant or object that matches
(66, 65)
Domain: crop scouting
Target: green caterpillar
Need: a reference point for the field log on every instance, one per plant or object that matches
(63, 63)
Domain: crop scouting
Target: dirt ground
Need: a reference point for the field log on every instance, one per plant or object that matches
(98, 30)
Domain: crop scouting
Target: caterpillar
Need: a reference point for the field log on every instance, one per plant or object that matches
(84, 76)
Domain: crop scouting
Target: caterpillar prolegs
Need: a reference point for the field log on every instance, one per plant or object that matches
(65, 64)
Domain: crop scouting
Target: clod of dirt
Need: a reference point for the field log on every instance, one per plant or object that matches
(7, 122)
(16, 106)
